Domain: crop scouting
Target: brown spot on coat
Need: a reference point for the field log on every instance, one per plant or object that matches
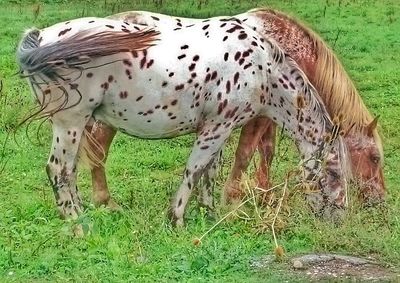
(179, 87)
(143, 62)
(123, 94)
(127, 62)
(214, 75)
(192, 66)
(242, 36)
(226, 56)
(236, 78)
(228, 87)
(150, 63)
(237, 56)
(61, 33)
(247, 66)
(234, 28)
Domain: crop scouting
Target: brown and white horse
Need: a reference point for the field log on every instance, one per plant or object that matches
(325, 72)
(207, 77)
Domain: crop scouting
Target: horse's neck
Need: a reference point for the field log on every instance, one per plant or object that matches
(292, 38)
(318, 63)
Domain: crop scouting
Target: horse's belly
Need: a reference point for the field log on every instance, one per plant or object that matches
(149, 125)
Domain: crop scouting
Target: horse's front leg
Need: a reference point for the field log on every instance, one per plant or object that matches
(206, 148)
(62, 164)
(249, 138)
(101, 137)
(266, 147)
(206, 190)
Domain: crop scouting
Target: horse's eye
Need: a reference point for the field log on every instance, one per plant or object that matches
(375, 159)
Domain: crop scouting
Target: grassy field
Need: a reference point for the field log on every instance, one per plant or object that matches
(138, 243)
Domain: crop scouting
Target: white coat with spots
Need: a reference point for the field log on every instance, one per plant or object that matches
(207, 77)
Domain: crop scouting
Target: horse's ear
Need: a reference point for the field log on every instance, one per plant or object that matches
(371, 127)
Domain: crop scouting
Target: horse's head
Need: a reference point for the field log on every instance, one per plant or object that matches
(366, 158)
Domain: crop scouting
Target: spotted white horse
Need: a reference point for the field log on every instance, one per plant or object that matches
(206, 78)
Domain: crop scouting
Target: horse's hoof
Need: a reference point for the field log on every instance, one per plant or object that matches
(81, 230)
(233, 196)
(175, 221)
(113, 206)
(333, 214)
(179, 223)
(110, 204)
(78, 231)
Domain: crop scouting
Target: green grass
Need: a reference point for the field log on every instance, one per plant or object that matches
(138, 244)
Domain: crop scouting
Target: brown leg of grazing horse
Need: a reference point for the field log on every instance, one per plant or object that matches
(103, 136)
(266, 147)
(249, 138)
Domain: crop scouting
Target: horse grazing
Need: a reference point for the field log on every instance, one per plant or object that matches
(209, 78)
(325, 72)
(339, 95)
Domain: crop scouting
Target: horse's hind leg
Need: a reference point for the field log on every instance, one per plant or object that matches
(61, 166)
(205, 149)
(99, 144)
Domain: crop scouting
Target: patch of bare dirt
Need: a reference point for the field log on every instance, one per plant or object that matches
(337, 268)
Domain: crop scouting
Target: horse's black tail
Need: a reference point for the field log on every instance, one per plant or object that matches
(78, 49)
(29, 43)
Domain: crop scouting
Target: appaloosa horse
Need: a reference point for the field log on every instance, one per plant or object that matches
(323, 69)
(208, 77)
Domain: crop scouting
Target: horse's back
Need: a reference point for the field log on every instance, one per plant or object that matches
(182, 80)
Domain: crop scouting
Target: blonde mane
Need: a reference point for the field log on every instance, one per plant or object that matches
(333, 83)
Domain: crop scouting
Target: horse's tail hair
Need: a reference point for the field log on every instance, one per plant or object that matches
(78, 49)
(28, 43)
